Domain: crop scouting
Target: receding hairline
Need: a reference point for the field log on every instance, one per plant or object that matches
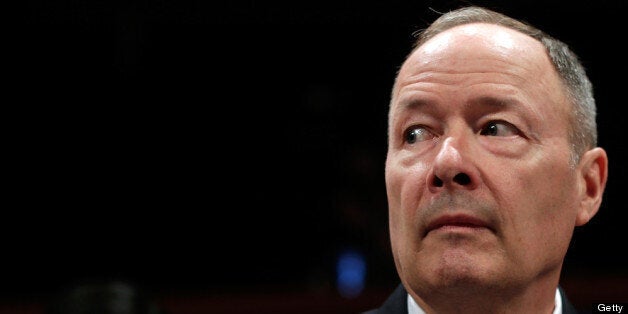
(541, 48)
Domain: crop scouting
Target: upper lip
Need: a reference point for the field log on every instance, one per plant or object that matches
(457, 220)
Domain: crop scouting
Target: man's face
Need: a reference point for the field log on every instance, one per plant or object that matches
(480, 185)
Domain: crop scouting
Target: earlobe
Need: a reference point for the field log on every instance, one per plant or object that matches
(594, 173)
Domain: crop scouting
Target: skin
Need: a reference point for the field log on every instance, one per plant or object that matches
(478, 137)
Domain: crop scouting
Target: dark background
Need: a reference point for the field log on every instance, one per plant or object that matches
(234, 147)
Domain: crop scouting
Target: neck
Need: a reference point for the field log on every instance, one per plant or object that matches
(536, 298)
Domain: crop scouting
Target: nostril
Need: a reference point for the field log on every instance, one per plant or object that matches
(462, 179)
(437, 182)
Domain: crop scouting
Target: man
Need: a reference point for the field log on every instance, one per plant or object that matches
(492, 162)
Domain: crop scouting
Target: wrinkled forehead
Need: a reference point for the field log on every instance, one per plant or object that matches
(484, 55)
(480, 48)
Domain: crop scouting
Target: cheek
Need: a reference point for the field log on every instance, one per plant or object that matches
(541, 215)
(554, 204)
(553, 191)
(404, 187)
(541, 179)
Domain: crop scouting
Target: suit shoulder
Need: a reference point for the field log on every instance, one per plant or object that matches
(395, 304)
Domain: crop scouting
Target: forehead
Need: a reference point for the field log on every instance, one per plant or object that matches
(474, 44)
(483, 53)
(481, 35)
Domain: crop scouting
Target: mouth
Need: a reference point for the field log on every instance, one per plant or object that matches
(457, 223)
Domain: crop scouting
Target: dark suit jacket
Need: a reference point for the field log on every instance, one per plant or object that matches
(397, 303)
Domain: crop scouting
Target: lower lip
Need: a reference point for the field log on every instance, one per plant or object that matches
(459, 228)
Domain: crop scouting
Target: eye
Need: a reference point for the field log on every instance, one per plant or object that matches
(417, 134)
(499, 128)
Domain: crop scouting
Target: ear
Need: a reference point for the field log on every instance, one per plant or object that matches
(593, 172)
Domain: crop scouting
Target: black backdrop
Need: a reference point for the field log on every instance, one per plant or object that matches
(233, 145)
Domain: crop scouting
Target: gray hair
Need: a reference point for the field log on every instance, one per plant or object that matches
(583, 133)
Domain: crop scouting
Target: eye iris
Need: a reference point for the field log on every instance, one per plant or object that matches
(412, 136)
(491, 129)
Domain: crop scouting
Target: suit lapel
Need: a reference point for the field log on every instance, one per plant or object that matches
(568, 308)
(397, 302)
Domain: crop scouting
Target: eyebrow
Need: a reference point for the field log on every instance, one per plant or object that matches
(491, 101)
(413, 103)
(488, 101)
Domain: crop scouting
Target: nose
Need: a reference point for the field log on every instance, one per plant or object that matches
(452, 168)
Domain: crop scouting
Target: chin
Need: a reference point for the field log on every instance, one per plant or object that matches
(459, 269)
